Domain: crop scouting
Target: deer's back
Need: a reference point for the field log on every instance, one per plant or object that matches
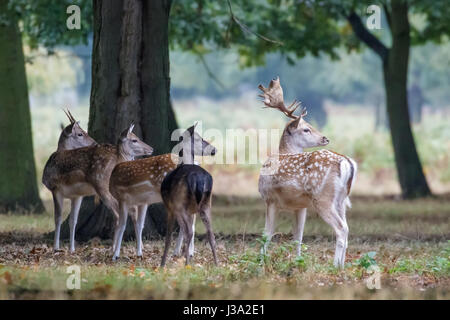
(138, 180)
(294, 180)
(77, 165)
(189, 185)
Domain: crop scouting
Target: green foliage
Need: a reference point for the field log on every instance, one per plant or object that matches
(43, 22)
(296, 27)
(438, 264)
(367, 260)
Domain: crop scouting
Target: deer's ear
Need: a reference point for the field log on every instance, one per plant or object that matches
(124, 134)
(75, 124)
(191, 129)
(130, 129)
(69, 129)
(296, 123)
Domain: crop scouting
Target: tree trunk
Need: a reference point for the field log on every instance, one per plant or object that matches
(395, 68)
(130, 83)
(18, 187)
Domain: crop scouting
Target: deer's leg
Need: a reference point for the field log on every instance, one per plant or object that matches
(74, 210)
(300, 217)
(121, 229)
(58, 201)
(205, 215)
(133, 213)
(271, 210)
(342, 213)
(179, 244)
(142, 211)
(108, 200)
(185, 222)
(112, 204)
(331, 216)
(180, 239)
(191, 243)
(170, 223)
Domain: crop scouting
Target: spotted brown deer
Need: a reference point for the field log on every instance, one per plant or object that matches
(187, 190)
(295, 180)
(85, 171)
(71, 137)
(138, 183)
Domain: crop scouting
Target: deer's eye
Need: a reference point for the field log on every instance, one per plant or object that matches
(306, 130)
(134, 140)
(80, 134)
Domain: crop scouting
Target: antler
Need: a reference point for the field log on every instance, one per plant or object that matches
(273, 98)
(70, 116)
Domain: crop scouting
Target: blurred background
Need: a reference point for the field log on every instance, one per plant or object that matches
(344, 98)
(374, 77)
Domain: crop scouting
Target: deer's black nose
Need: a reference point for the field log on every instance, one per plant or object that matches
(213, 151)
(325, 140)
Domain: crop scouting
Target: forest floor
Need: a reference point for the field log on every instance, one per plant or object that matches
(404, 244)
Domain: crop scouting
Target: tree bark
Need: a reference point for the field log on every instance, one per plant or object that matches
(18, 186)
(130, 83)
(395, 70)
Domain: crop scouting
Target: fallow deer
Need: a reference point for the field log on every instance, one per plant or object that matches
(295, 180)
(138, 183)
(71, 137)
(187, 190)
(85, 171)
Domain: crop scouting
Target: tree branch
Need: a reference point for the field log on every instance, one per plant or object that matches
(209, 72)
(365, 36)
(245, 28)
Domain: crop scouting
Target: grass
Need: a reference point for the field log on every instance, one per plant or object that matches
(407, 241)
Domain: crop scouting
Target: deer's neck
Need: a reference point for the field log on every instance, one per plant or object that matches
(187, 158)
(287, 145)
(186, 155)
(62, 144)
(123, 155)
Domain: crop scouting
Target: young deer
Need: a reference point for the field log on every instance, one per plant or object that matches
(138, 183)
(188, 190)
(73, 136)
(82, 172)
(295, 180)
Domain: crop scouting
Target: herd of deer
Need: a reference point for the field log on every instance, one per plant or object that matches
(290, 180)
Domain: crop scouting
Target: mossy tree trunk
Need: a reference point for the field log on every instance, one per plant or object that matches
(130, 83)
(18, 186)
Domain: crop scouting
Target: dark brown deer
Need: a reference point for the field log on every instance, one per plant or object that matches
(187, 190)
(295, 180)
(86, 171)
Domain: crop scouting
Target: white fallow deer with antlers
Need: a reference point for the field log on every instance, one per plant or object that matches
(295, 180)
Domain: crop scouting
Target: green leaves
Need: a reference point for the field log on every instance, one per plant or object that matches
(43, 22)
(366, 260)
